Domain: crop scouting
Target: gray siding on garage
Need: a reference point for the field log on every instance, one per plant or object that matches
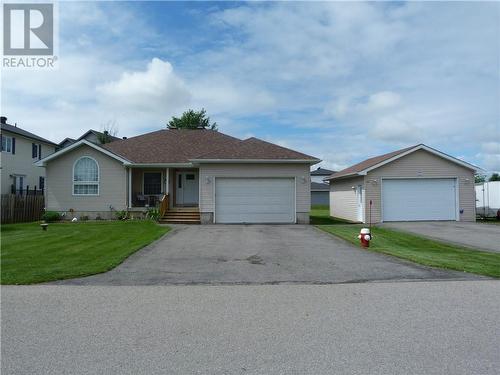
(422, 164)
(298, 171)
(59, 184)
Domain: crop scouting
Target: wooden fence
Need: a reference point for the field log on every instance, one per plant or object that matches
(22, 208)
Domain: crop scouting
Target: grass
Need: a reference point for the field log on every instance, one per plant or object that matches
(488, 220)
(67, 250)
(320, 215)
(418, 249)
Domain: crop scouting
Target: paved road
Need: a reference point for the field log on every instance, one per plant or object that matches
(258, 254)
(476, 235)
(373, 328)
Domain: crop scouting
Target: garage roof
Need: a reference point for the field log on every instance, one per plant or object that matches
(372, 163)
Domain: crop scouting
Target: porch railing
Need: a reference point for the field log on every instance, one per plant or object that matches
(164, 205)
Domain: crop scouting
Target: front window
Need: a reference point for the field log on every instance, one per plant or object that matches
(86, 177)
(152, 183)
(6, 144)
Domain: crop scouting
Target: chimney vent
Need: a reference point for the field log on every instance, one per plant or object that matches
(3, 119)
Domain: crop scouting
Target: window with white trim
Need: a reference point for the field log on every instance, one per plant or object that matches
(86, 177)
(6, 143)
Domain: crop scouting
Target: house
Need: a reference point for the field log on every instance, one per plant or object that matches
(203, 174)
(415, 183)
(488, 198)
(320, 191)
(91, 135)
(20, 149)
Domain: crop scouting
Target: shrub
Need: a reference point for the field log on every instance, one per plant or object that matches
(51, 216)
(84, 218)
(153, 214)
(121, 215)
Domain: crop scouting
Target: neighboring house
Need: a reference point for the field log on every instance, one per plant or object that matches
(92, 136)
(415, 183)
(227, 179)
(488, 198)
(20, 150)
(320, 191)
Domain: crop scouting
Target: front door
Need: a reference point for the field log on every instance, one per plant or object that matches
(186, 188)
(359, 203)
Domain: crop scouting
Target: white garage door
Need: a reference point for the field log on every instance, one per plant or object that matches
(255, 200)
(419, 199)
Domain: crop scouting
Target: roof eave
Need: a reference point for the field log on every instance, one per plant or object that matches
(36, 138)
(253, 161)
(426, 148)
(43, 162)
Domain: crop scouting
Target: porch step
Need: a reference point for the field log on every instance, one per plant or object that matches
(181, 217)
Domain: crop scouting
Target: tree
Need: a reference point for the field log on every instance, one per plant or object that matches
(478, 178)
(108, 130)
(192, 120)
(495, 177)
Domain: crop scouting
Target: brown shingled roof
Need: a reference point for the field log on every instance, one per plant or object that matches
(356, 168)
(254, 148)
(183, 145)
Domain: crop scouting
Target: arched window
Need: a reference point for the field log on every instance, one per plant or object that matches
(86, 176)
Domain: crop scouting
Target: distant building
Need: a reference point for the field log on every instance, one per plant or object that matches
(319, 189)
(92, 136)
(20, 150)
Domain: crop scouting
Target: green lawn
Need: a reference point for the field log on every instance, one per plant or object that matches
(320, 215)
(415, 248)
(488, 220)
(67, 250)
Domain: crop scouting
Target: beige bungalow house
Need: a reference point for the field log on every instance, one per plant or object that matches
(417, 183)
(193, 175)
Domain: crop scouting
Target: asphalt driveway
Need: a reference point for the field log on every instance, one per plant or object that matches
(477, 235)
(258, 254)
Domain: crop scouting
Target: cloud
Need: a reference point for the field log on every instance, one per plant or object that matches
(383, 100)
(324, 77)
(156, 89)
(490, 156)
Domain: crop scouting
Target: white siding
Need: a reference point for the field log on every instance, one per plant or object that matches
(21, 162)
(343, 201)
(298, 171)
(59, 183)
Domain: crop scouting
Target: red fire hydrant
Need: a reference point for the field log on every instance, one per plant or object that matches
(365, 236)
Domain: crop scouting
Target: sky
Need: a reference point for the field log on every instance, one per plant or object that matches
(339, 81)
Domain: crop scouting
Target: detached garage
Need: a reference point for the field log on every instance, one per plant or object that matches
(417, 183)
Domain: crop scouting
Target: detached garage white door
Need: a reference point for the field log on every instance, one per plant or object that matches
(254, 200)
(419, 199)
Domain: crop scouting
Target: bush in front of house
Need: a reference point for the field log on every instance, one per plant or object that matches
(121, 215)
(51, 216)
(153, 214)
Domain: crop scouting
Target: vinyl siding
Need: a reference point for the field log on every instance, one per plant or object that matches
(21, 162)
(209, 171)
(59, 183)
(343, 202)
(422, 164)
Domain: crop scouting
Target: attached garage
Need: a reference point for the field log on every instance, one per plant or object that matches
(417, 183)
(255, 200)
(413, 199)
